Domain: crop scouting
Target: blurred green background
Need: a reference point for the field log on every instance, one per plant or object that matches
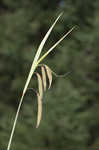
(71, 107)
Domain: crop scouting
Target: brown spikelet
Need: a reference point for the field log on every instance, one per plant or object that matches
(40, 86)
(39, 113)
(43, 77)
(49, 74)
(39, 99)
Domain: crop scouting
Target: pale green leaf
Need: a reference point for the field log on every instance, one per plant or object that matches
(42, 57)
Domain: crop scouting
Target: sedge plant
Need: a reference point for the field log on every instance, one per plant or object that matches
(42, 84)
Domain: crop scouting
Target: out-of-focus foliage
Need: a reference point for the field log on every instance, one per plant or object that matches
(71, 108)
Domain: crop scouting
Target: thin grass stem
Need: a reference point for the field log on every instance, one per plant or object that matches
(14, 124)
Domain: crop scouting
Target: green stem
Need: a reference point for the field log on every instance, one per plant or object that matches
(14, 125)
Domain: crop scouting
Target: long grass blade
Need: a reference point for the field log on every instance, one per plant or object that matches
(42, 57)
(45, 39)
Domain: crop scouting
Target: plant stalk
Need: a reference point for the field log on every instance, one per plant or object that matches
(15, 121)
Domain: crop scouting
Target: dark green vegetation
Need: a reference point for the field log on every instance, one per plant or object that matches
(71, 108)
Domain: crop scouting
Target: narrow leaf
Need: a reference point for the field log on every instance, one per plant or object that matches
(41, 58)
(49, 74)
(43, 77)
(39, 114)
(45, 39)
